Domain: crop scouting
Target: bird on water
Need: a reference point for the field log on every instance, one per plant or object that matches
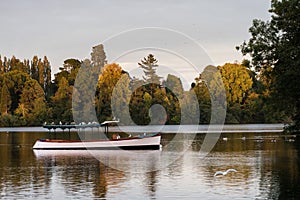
(225, 172)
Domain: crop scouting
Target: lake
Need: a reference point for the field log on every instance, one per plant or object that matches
(267, 165)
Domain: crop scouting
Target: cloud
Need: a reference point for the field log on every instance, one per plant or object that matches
(63, 29)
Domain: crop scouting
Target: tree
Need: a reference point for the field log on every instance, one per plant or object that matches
(69, 70)
(1, 66)
(203, 97)
(41, 74)
(108, 79)
(5, 64)
(32, 106)
(5, 99)
(149, 65)
(137, 109)
(47, 75)
(62, 102)
(22, 110)
(34, 68)
(98, 56)
(237, 82)
(146, 104)
(211, 82)
(275, 45)
(17, 84)
(15, 81)
(174, 84)
(85, 86)
(120, 100)
(72, 66)
(16, 64)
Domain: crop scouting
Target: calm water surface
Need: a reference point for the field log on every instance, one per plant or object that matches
(267, 167)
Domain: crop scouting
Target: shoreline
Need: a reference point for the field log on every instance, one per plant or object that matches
(226, 128)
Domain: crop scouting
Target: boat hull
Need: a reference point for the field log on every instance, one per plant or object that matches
(134, 143)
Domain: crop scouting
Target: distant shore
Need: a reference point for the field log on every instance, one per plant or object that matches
(227, 128)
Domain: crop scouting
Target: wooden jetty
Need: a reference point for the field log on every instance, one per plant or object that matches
(92, 125)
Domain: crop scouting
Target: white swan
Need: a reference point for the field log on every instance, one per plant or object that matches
(225, 138)
(224, 173)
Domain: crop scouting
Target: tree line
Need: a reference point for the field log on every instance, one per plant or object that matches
(29, 97)
(25, 88)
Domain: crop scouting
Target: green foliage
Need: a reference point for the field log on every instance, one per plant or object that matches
(28, 96)
(5, 99)
(22, 98)
(108, 79)
(8, 120)
(274, 47)
(85, 86)
(211, 95)
(120, 101)
(174, 84)
(69, 71)
(138, 110)
(237, 83)
(61, 102)
(152, 102)
(204, 102)
(32, 106)
(148, 102)
(14, 81)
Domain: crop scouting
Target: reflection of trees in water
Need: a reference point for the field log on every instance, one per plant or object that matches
(19, 169)
(151, 180)
(100, 187)
(148, 181)
(76, 173)
(79, 174)
(280, 173)
(108, 178)
(151, 183)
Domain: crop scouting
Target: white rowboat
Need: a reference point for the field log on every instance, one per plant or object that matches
(147, 142)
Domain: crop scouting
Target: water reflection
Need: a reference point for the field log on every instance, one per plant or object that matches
(265, 170)
(141, 161)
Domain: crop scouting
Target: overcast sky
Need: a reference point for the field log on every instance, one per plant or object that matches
(62, 29)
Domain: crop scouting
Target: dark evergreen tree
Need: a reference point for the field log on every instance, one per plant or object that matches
(5, 99)
(149, 65)
(47, 77)
(1, 66)
(5, 64)
(34, 68)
